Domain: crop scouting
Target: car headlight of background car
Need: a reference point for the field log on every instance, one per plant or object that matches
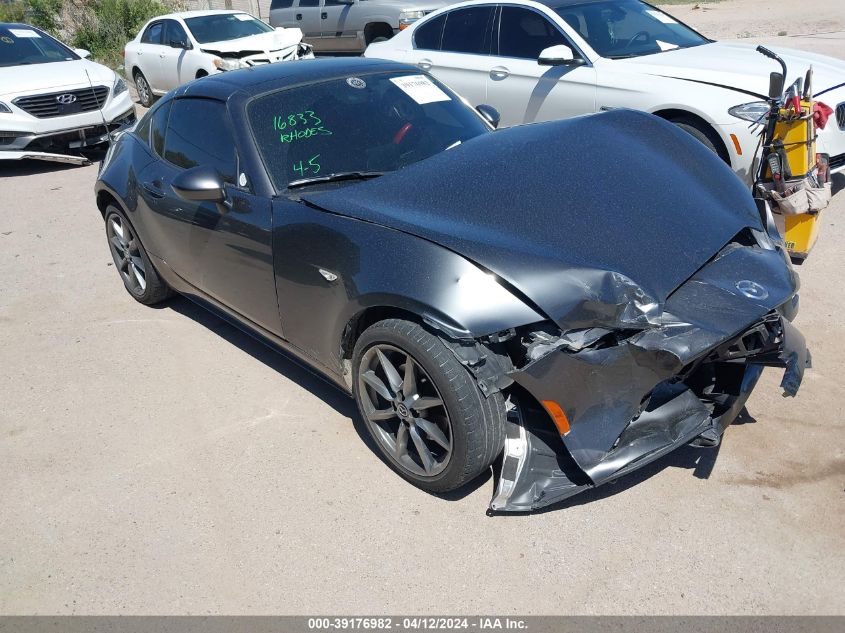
(754, 111)
(4, 109)
(227, 64)
(119, 86)
(406, 18)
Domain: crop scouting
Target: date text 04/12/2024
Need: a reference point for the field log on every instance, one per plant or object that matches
(417, 623)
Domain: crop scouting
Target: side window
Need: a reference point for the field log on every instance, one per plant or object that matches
(427, 36)
(158, 127)
(281, 4)
(308, 3)
(198, 134)
(153, 33)
(525, 33)
(334, 3)
(174, 32)
(467, 30)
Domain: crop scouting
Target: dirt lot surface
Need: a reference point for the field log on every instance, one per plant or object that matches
(159, 461)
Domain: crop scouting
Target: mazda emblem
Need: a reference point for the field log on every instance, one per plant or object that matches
(751, 289)
(66, 99)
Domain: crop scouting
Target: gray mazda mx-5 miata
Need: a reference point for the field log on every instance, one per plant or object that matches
(570, 300)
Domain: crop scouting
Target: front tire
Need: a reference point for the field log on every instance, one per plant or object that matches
(145, 93)
(422, 408)
(703, 134)
(132, 262)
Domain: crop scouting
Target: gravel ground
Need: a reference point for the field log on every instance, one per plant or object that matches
(159, 461)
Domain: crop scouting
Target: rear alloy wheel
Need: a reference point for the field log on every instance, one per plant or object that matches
(145, 93)
(131, 261)
(423, 408)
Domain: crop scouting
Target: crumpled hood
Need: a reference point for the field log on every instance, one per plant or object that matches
(279, 39)
(35, 78)
(615, 209)
(739, 66)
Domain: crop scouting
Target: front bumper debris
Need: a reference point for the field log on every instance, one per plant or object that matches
(659, 401)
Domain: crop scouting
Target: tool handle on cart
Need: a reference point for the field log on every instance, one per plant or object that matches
(772, 55)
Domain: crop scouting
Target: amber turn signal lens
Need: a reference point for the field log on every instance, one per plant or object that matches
(559, 417)
(736, 145)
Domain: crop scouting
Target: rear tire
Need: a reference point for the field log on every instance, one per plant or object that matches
(131, 261)
(456, 432)
(145, 93)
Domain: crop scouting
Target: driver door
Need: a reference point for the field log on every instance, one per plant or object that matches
(524, 91)
(172, 58)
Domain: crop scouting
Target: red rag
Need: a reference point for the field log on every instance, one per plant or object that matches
(821, 112)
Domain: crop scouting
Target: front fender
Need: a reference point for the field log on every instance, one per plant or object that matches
(330, 268)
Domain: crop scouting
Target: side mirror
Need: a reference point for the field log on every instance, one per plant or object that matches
(179, 44)
(775, 85)
(558, 55)
(82, 52)
(489, 114)
(201, 184)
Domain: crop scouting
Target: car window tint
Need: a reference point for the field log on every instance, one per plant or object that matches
(525, 33)
(198, 134)
(427, 36)
(467, 30)
(174, 32)
(281, 4)
(309, 3)
(334, 3)
(158, 127)
(153, 34)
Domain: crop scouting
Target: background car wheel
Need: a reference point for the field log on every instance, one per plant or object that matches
(423, 408)
(131, 261)
(145, 93)
(702, 134)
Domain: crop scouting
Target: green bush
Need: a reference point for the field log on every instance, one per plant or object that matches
(45, 14)
(105, 26)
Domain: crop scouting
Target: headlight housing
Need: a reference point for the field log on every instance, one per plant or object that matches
(755, 111)
(227, 64)
(119, 86)
(406, 18)
(4, 108)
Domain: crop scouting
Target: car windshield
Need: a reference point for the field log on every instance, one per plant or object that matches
(627, 28)
(21, 45)
(357, 126)
(225, 26)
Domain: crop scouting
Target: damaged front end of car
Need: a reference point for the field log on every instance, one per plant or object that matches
(608, 399)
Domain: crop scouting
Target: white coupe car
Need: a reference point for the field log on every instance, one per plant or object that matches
(54, 103)
(177, 48)
(535, 61)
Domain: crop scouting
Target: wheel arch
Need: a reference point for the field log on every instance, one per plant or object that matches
(375, 29)
(706, 127)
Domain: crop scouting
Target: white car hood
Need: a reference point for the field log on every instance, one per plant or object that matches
(279, 39)
(35, 78)
(738, 66)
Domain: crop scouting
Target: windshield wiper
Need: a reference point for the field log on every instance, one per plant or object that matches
(336, 177)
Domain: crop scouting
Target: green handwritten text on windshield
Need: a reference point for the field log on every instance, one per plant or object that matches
(299, 125)
(311, 167)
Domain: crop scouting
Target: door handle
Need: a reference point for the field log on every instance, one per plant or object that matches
(499, 72)
(153, 188)
(425, 64)
(323, 16)
(298, 16)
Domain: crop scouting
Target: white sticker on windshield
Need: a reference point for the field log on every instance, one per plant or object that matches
(421, 89)
(23, 33)
(243, 17)
(665, 46)
(659, 15)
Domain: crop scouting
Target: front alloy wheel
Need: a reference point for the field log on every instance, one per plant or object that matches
(423, 408)
(404, 410)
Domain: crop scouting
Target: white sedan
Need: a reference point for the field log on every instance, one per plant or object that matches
(54, 103)
(173, 49)
(535, 61)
